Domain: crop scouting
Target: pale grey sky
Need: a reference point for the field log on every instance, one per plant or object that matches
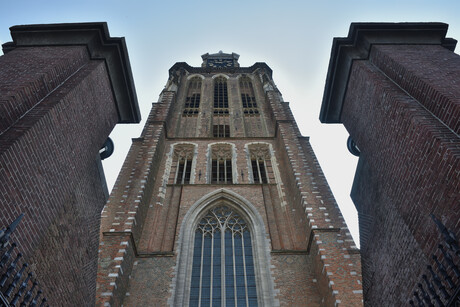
(293, 37)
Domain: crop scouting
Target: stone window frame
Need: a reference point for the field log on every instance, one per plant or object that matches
(180, 286)
(221, 109)
(183, 155)
(260, 151)
(231, 155)
(216, 226)
(248, 96)
(170, 159)
(194, 109)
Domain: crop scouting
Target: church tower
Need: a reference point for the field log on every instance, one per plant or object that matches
(221, 202)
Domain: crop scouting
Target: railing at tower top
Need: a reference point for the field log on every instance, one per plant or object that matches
(16, 289)
(442, 282)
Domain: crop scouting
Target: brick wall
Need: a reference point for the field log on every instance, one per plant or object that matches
(402, 110)
(57, 110)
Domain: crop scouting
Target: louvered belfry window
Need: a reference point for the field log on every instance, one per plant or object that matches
(248, 98)
(220, 96)
(192, 101)
(223, 263)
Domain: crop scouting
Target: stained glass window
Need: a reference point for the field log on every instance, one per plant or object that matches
(223, 265)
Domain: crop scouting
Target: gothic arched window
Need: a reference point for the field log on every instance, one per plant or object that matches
(181, 166)
(221, 164)
(220, 96)
(248, 98)
(192, 102)
(223, 271)
(259, 155)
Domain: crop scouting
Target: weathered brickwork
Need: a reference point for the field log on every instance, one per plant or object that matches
(414, 180)
(57, 108)
(306, 256)
(402, 110)
(40, 152)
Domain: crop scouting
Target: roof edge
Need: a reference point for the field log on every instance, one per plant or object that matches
(357, 46)
(95, 36)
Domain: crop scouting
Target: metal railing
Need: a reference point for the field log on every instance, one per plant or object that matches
(15, 288)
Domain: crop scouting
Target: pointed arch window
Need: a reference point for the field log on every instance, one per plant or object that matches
(221, 164)
(192, 102)
(223, 271)
(259, 155)
(182, 163)
(220, 96)
(248, 98)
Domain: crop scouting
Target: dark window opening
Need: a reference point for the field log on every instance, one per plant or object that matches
(221, 171)
(192, 102)
(258, 171)
(220, 96)
(184, 170)
(221, 131)
(248, 99)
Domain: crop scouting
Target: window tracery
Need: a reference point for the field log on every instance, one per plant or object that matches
(220, 96)
(248, 97)
(223, 271)
(192, 101)
(183, 159)
(260, 160)
(221, 164)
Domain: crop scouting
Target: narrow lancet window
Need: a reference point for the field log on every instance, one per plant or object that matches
(182, 163)
(223, 264)
(192, 101)
(248, 99)
(258, 171)
(221, 164)
(259, 155)
(220, 96)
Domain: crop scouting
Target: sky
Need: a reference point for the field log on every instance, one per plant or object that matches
(293, 37)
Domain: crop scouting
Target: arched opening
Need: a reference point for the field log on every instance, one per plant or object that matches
(219, 233)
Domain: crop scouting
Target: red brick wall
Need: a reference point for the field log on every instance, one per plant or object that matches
(402, 110)
(57, 110)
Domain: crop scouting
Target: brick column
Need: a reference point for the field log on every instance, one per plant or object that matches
(60, 97)
(396, 90)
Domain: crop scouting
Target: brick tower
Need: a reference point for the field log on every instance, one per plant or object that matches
(222, 202)
(396, 88)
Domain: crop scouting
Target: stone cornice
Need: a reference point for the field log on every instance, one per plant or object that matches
(95, 36)
(357, 46)
(205, 70)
